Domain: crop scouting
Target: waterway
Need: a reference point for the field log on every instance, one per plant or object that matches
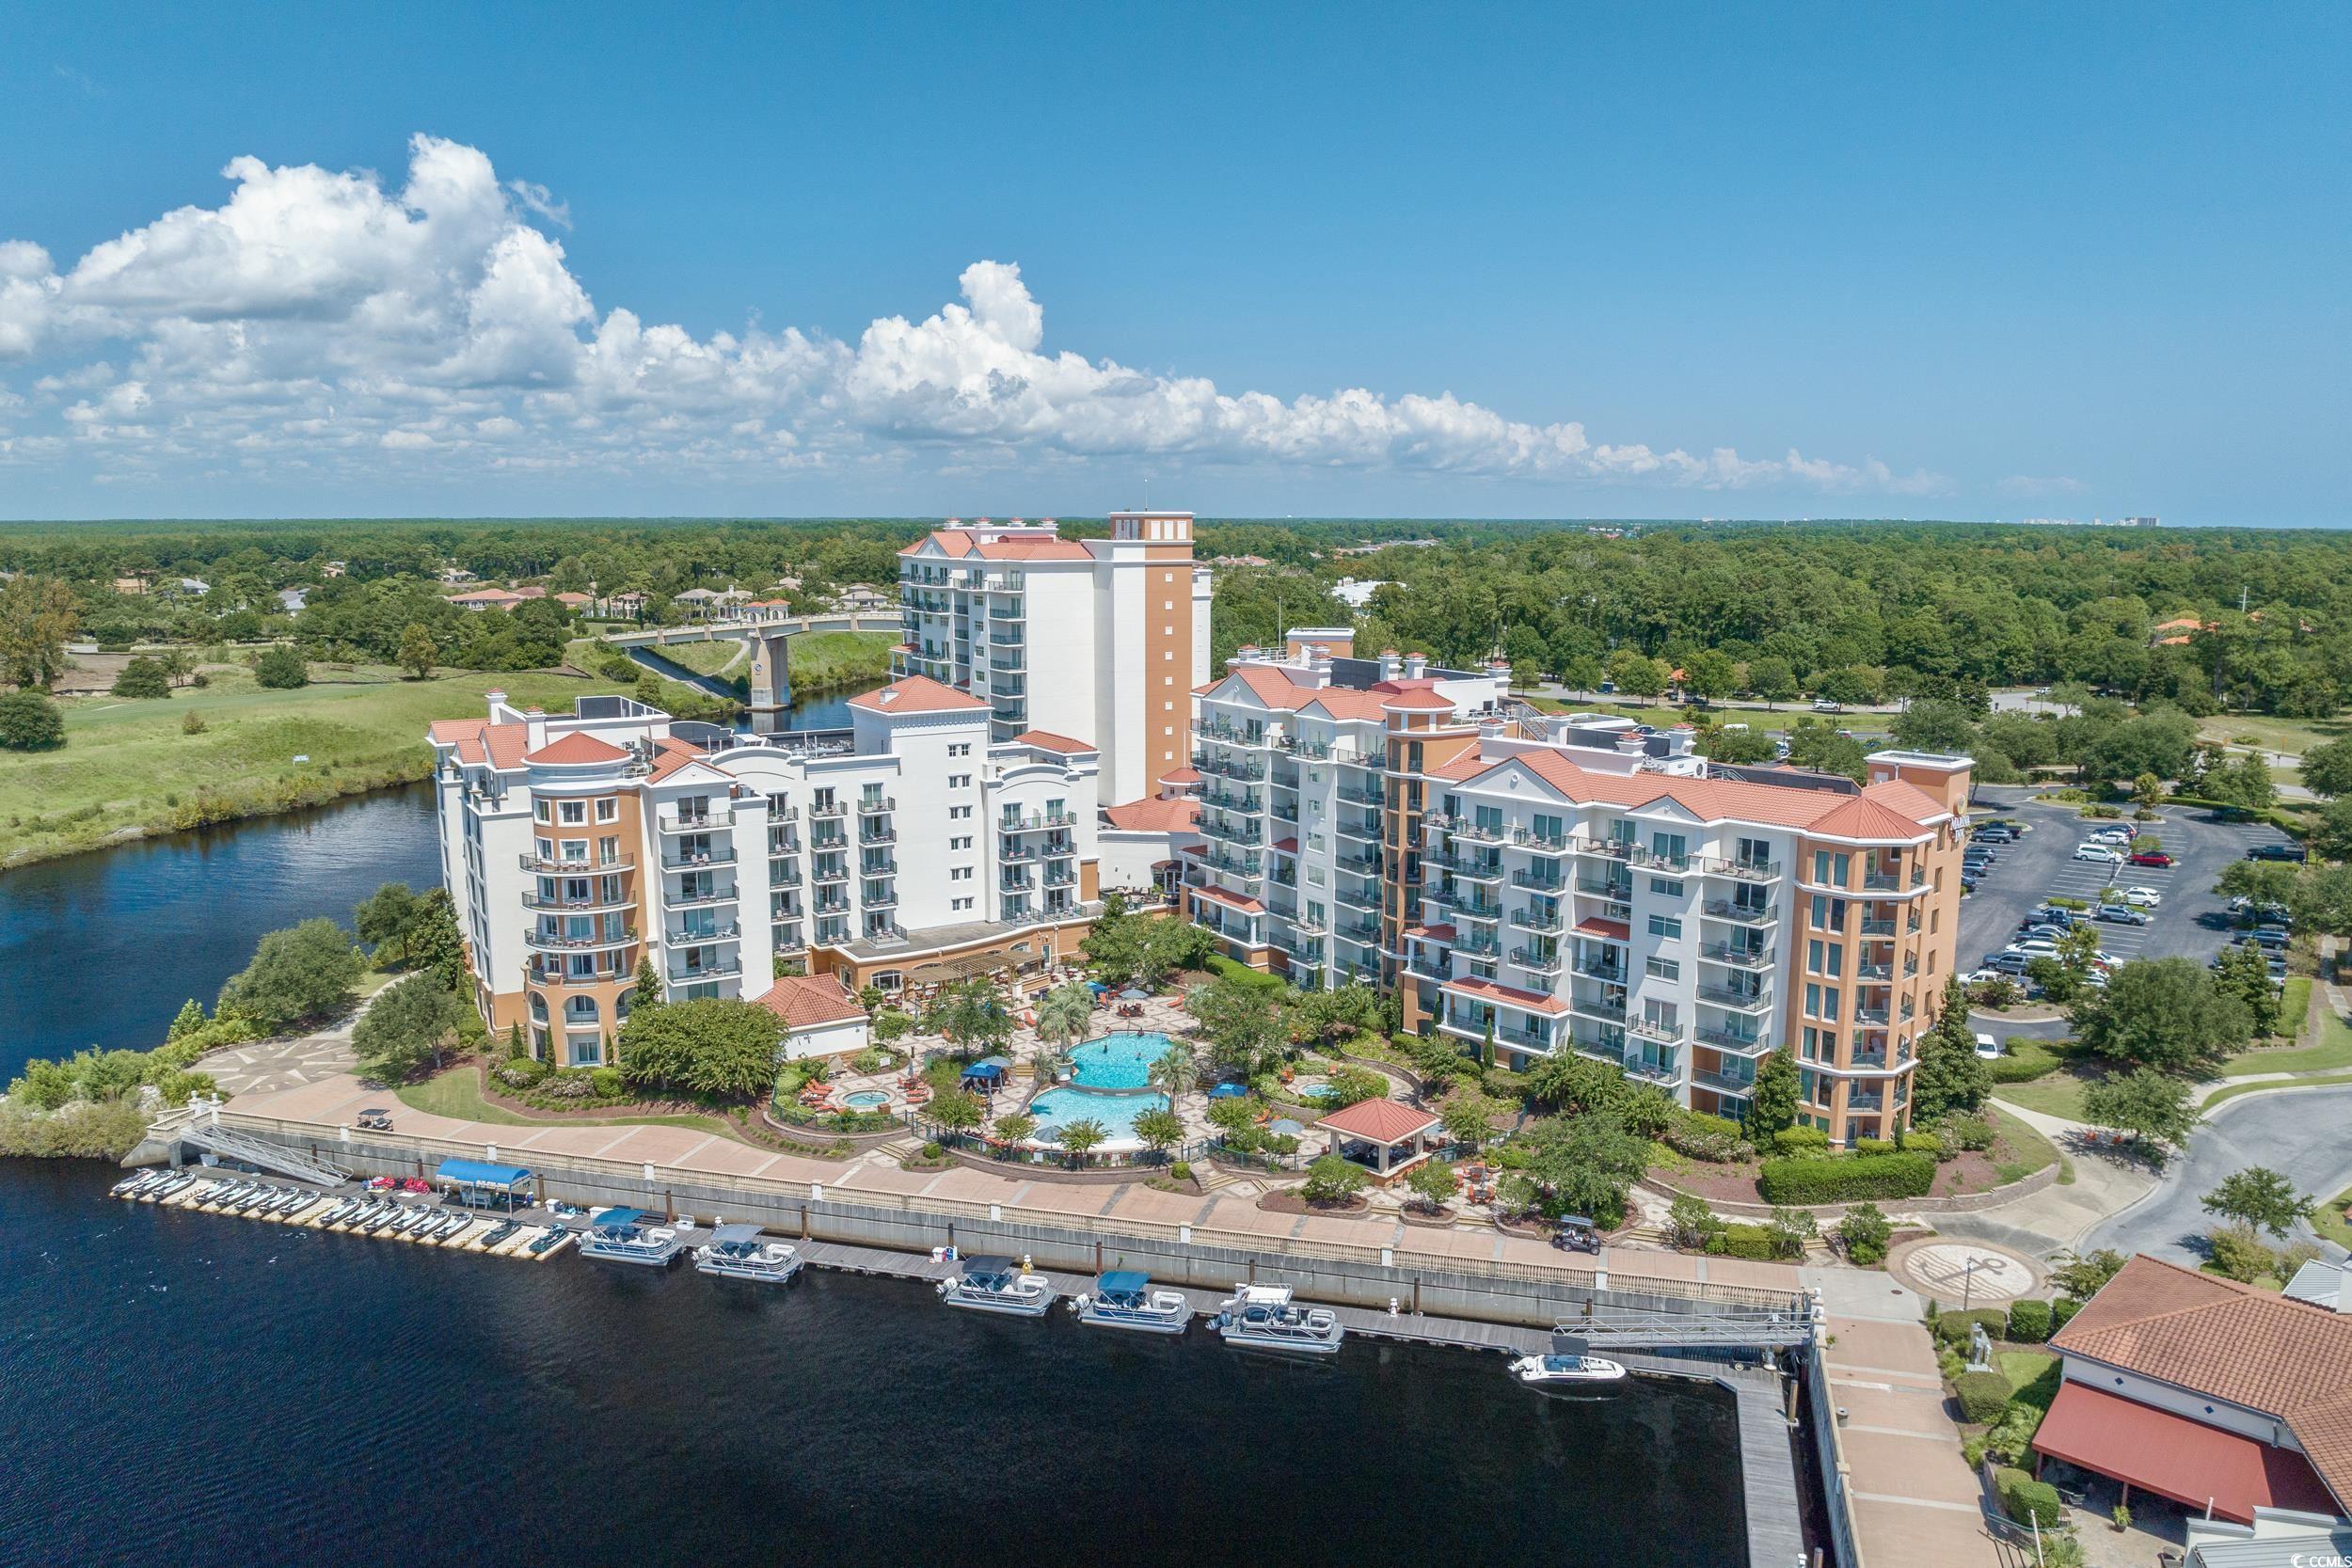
(204, 1389)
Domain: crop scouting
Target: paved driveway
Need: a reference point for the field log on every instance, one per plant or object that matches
(2192, 920)
(2304, 1134)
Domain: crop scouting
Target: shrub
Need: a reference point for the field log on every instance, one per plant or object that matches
(281, 669)
(143, 677)
(1716, 1139)
(2239, 1254)
(1953, 1327)
(1180, 1170)
(1743, 1240)
(1846, 1181)
(2062, 1312)
(1864, 1231)
(1875, 1146)
(1800, 1140)
(1332, 1178)
(29, 721)
(606, 1081)
(569, 1083)
(2026, 1501)
(520, 1072)
(890, 1025)
(2028, 1322)
(1974, 1133)
(1916, 1140)
(1982, 1396)
(2024, 1061)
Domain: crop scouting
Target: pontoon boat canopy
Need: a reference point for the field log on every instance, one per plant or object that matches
(726, 1234)
(986, 1264)
(613, 1219)
(476, 1173)
(1123, 1282)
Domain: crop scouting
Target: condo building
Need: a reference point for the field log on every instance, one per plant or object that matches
(1576, 884)
(919, 842)
(1100, 638)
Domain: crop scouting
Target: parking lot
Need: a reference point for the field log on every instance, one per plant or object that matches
(2192, 922)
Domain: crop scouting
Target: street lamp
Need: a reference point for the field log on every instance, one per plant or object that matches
(1968, 1279)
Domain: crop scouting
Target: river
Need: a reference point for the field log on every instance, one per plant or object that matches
(206, 1389)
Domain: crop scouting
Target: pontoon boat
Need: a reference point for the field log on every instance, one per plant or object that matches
(617, 1236)
(1126, 1300)
(997, 1285)
(739, 1252)
(1263, 1316)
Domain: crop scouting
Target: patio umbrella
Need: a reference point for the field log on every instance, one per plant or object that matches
(1049, 1133)
(1134, 993)
(1004, 1063)
(1228, 1092)
(1286, 1125)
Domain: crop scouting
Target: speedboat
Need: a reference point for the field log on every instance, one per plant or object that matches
(617, 1236)
(1126, 1300)
(739, 1252)
(992, 1284)
(1565, 1368)
(1263, 1316)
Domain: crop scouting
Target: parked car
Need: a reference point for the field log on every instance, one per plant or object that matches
(2142, 897)
(2151, 857)
(2008, 961)
(2289, 851)
(1994, 833)
(2035, 947)
(2122, 914)
(1823, 705)
(2110, 835)
(2098, 854)
(2271, 936)
(1987, 1046)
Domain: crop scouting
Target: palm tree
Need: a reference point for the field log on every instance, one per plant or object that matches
(1015, 1127)
(1064, 1014)
(1174, 1070)
(1159, 1129)
(1080, 1136)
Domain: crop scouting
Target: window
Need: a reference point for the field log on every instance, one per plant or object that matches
(1665, 925)
(960, 748)
(959, 780)
(959, 814)
(1827, 914)
(960, 873)
(608, 810)
(1666, 887)
(572, 811)
(539, 810)
(958, 903)
(1829, 869)
(607, 849)
(1548, 828)
(964, 841)
(1812, 1049)
(1664, 969)
(576, 849)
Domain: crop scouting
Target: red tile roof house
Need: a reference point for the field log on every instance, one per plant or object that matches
(2218, 1396)
(819, 1018)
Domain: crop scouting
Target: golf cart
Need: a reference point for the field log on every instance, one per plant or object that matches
(1575, 1234)
(376, 1119)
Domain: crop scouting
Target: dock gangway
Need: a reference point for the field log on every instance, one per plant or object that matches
(1748, 1329)
(197, 1125)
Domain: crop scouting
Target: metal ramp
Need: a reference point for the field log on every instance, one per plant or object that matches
(197, 1124)
(1690, 1330)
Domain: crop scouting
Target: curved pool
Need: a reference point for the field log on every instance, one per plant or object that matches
(1119, 1061)
(866, 1100)
(1117, 1113)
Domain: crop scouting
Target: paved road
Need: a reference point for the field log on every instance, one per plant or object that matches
(2304, 1134)
(2192, 920)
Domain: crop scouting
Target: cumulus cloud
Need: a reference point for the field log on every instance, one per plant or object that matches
(324, 318)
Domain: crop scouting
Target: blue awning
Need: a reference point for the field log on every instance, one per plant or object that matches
(985, 1071)
(1122, 1283)
(477, 1173)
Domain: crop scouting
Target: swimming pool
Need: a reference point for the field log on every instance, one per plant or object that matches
(1116, 1112)
(866, 1100)
(1121, 1061)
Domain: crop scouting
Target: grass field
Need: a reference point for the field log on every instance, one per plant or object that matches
(2032, 1150)
(707, 659)
(129, 767)
(2292, 736)
(457, 1092)
(2060, 1093)
(2330, 1222)
(2324, 1080)
(2326, 1049)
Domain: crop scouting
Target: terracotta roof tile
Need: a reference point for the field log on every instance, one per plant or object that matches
(577, 748)
(807, 1000)
(1231, 900)
(1152, 815)
(1046, 740)
(915, 694)
(1607, 930)
(1181, 776)
(1384, 1121)
(1510, 996)
(1709, 799)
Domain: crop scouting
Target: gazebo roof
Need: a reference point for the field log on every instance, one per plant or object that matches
(1379, 1121)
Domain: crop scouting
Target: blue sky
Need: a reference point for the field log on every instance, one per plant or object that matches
(1721, 262)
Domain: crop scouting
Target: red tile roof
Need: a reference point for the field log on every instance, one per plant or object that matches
(1608, 931)
(1232, 900)
(577, 748)
(1181, 776)
(1382, 1121)
(1439, 932)
(1714, 800)
(1415, 702)
(1284, 847)
(1153, 817)
(807, 1000)
(1046, 740)
(483, 743)
(1510, 996)
(915, 694)
(2229, 1341)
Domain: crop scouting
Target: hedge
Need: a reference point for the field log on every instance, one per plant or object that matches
(1752, 1241)
(1953, 1327)
(1918, 1140)
(1800, 1140)
(2026, 1501)
(1717, 1139)
(1875, 1146)
(2028, 1322)
(1982, 1396)
(2024, 1061)
(1800, 1181)
(2063, 1312)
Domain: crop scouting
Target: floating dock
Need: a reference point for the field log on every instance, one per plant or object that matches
(217, 1195)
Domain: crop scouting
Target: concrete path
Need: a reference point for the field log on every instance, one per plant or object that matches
(2297, 1132)
(1915, 1501)
(2058, 1216)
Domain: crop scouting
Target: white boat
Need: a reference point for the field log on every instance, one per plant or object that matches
(1126, 1300)
(341, 1213)
(740, 1252)
(1565, 1368)
(1263, 1316)
(992, 1284)
(137, 1184)
(617, 1236)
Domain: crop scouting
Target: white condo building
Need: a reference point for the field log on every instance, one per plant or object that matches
(916, 842)
(1562, 883)
(1099, 637)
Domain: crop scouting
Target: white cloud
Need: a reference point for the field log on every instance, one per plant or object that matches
(2035, 486)
(318, 317)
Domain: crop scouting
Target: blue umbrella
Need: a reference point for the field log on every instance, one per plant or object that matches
(1134, 993)
(1286, 1125)
(1228, 1092)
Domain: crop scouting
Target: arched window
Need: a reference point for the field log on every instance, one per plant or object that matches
(580, 1009)
(538, 1008)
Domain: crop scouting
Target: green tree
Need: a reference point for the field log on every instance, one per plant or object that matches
(1331, 1179)
(1573, 1084)
(2163, 1013)
(1950, 1076)
(2243, 973)
(1865, 1233)
(1173, 1071)
(2081, 1277)
(1772, 679)
(1587, 1162)
(1065, 1013)
(29, 721)
(429, 940)
(2150, 1105)
(721, 1046)
(1818, 745)
(1468, 1116)
(281, 669)
(958, 1110)
(1935, 724)
(2148, 790)
(143, 677)
(1772, 1103)
(1245, 1025)
(1015, 1126)
(1637, 675)
(2327, 767)
(418, 653)
(1081, 1137)
(382, 919)
(971, 1017)
(1434, 1183)
(1709, 675)
(2261, 1197)
(1159, 1130)
(411, 1023)
(37, 618)
(2243, 783)
(1340, 1013)
(297, 973)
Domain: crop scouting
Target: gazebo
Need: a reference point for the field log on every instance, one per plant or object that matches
(1385, 1137)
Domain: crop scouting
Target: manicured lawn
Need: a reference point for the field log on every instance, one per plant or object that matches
(2029, 1151)
(2057, 1094)
(707, 659)
(457, 1092)
(2329, 1047)
(2330, 1222)
(129, 763)
(2327, 1079)
(2292, 736)
(2032, 1373)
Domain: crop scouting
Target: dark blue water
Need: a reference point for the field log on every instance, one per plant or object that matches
(191, 1388)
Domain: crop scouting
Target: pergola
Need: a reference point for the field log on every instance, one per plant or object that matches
(1384, 1135)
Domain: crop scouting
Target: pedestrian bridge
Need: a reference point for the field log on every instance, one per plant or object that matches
(769, 636)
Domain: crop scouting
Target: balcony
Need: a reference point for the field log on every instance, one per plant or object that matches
(1878, 928)
(1467, 906)
(701, 900)
(722, 969)
(1362, 797)
(695, 938)
(1607, 848)
(1609, 1008)
(1225, 799)
(1299, 949)
(1306, 920)
(879, 806)
(578, 905)
(1361, 898)
(695, 822)
(580, 867)
(548, 941)
(1724, 1083)
(1865, 1101)
(1478, 944)
(885, 899)
(828, 809)
(829, 872)
(1881, 881)
(1285, 812)
(882, 866)
(1535, 883)
(1734, 999)
(1368, 832)
(1233, 865)
(1463, 865)
(557, 977)
(1872, 1015)
(878, 832)
(1608, 974)
(1736, 957)
(1648, 1071)
(1034, 821)
(1056, 876)
(1654, 1029)
(830, 905)
(1357, 865)
(1658, 860)
(1742, 914)
(1363, 932)
(1741, 870)
(1734, 1042)
(1538, 920)
(1538, 960)
(1243, 770)
(1231, 833)
(1233, 735)
(1875, 971)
